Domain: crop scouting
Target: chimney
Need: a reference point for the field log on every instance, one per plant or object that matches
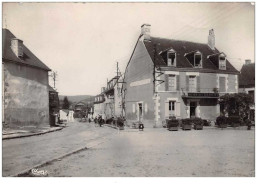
(248, 61)
(211, 39)
(146, 31)
(17, 47)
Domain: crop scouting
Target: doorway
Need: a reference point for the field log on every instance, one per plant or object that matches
(193, 106)
(140, 112)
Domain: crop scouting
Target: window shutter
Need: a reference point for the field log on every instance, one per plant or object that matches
(178, 109)
(166, 82)
(166, 109)
(177, 78)
(198, 83)
(187, 83)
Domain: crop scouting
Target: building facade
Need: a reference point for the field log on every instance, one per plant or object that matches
(184, 79)
(25, 85)
(108, 104)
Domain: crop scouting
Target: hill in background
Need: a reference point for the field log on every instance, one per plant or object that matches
(77, 98)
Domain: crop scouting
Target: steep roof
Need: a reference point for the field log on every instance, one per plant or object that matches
(183, 48)
(247, 75)
(29, 58)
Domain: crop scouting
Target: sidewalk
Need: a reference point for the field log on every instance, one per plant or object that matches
(15, 133)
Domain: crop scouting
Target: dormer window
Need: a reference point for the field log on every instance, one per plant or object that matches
(198, 60)
(171, 58)
(222, 62)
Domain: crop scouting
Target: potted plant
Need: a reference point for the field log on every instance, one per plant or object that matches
(234, 121)
(173, 124)
(186, 124)
(198, 123)
(221, 121)
(120, 123)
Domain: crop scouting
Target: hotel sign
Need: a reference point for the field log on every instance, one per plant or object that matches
(215, 95)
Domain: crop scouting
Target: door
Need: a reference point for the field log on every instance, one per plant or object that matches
(192, 83)
(140, 112)
(192, 109)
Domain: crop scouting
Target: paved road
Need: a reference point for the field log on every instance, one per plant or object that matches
(24, 153)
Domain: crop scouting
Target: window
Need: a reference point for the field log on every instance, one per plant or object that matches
(192, 83)
(171, 58)
(172, 108)
(198, 60)
(171, 105)
(171, 82)
(222, 62)
(222, 84)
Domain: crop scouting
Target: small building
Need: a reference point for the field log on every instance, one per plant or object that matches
(166, 77)
(247, 83)
(25, 85)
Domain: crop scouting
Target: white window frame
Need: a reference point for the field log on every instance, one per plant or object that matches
(171, 51)
(222, 66)
(201, 62)
(175, 82)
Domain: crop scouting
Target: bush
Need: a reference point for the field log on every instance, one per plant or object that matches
(221, 120)
(233, 120)
(120, 122)
(206, 122)
(172, 123)
(109, 121)
(186, 121)
(197, 121)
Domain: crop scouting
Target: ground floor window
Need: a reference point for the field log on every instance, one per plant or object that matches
(172, 108)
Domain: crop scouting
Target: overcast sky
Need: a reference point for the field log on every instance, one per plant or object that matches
(83, 41)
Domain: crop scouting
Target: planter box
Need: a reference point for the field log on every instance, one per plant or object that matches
(186, 127)
(198, 127)
(223, 126)
(173, 128)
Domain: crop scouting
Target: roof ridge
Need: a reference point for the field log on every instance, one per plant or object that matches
(179, 40)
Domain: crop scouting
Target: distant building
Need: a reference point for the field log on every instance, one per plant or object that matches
(25, 85)
(247, 82)
(166, 77)
(109, 102)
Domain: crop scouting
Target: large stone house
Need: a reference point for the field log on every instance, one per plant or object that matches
(25, 85)
(166, 77)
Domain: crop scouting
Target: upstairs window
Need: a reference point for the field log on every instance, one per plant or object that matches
(222, 62)
(171, 58)
(198, 60)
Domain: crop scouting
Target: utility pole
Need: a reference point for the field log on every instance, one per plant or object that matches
(154, 57)
(54, 76)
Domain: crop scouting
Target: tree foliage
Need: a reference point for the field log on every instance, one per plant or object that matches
(236, 104)
(66, 103)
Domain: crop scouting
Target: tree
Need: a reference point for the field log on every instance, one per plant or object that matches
(237, 104)
(66, 103)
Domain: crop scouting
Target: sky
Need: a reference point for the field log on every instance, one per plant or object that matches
(84, 41)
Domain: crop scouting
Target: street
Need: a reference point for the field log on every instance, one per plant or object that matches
(129, 153)
(25, 153)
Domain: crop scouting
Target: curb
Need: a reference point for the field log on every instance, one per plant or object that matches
(27, 172)
(29, 135)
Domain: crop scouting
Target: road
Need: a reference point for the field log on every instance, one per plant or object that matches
(161, 153)
(25, 153)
